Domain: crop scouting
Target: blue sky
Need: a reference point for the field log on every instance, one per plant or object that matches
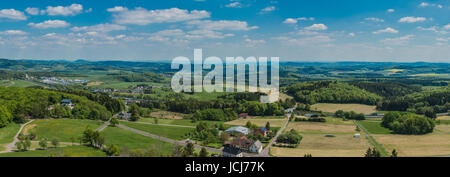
(309, 30)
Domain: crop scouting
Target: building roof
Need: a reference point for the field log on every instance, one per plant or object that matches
(241, 142)
(258, 143)
(231, 150)
(239, 129)
(66, 101)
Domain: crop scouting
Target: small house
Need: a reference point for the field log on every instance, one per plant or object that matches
(243, 115)
(230, 151)
(242, 143)
(67, 102)
(237, 130)
(256, 147)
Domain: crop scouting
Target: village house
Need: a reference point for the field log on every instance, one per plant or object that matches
(256, 147)
(230, 151)
(67, 102)
(242, 143)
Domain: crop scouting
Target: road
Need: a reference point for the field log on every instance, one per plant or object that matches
(12, 145)
(265, 151)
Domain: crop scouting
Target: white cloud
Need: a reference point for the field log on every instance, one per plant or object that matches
(73, 9)
(433, 28)
(32, 10)
(447, 26)
(12, 14)
(387, 30)
(100, 27)
(117, 9)
(295, 20)
(254, 42)
(306, 41)
(13, 32)
(317, 27)
(412, 19)
(206, 34)
(425, 4)
(268, 9)
(397, 41)
(234, 5)
(232, 25)
(351, 34)
(374, 19)
(50, 24)
(141, 16)
(391, 10)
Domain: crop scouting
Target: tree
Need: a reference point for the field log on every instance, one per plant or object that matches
(394, 153)
(156, 120)
(372, 152)
(19, 145)
(268, 126)
(73, 139)
(188, 150)
(177, 151)
(43, 143)
(114, 121)
(307, 155)
(134, 116)
(26, 144)
(203, 153)
(32, 135)
(113, 150)
(339, 113)
(55, 142)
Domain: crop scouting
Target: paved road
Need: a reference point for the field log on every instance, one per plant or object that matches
(106, 124)
(265, 151)
(10, 147)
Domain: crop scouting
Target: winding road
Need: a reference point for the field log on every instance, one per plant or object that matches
(12, 145)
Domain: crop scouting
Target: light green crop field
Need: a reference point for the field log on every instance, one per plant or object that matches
(61, 129)
(374, 127)
(177, 133)
(7, 133)
(70, 151)
(132, 141)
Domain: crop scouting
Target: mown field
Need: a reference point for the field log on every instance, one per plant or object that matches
(374, 127)
(61, 129)
(332, 108)
(69, 151)
(127, 140)
(315, 142)
(172, 132)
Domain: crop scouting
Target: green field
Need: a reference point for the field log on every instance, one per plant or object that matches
(374, 127)
(70, 151)
(17, 83)
(132, 141)
(177, 133)
(184, 122)
(61, 129)
(7, 133)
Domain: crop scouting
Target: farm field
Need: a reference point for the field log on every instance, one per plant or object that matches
(61, 129)
(320, 146)
(374, 127)
(433, 144)
(17, 83)
(184, 122)
(259, 122)
(322, 128)
(127, 140)
(7, 133)
(167, 115)
(332, 108)
(177, 133)
(443, 118)
(70, 151)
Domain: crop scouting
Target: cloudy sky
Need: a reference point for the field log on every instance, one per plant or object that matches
(319, 30)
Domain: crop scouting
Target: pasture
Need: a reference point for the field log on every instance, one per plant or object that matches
(322, 128)
(374, 127)
(177, 133)
(332, 108)
(61, 129)
(127, 140)
(260, 122)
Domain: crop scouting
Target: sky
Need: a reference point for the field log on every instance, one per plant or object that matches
(160, 30)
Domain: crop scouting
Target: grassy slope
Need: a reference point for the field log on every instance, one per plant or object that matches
(177, 133)
(62, 129)
(7, 133)
(70, 151)
(126, 139)
(374, 127)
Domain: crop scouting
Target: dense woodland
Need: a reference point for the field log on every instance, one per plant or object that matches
(331, 92)
(407, 123)
(18, 104)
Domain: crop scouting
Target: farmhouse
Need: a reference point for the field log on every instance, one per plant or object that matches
(237, 130)
(67, 102)
(230, 151)
(242, 143)
(256, 147)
